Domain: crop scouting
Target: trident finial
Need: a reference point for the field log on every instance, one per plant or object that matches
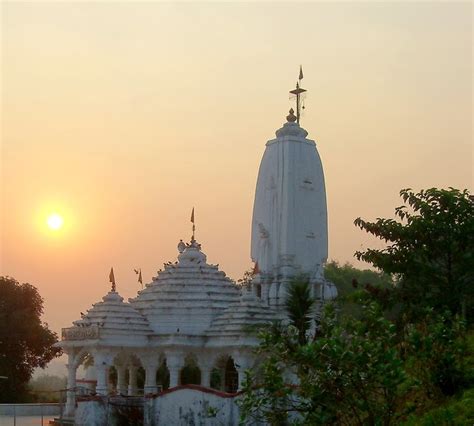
(298, 91)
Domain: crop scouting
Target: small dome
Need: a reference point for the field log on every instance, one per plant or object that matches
(238, 318)
(113, 316)
(186, 296)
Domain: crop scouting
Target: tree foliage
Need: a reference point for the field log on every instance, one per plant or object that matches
(299, 307)
(350, 374)
(348, 279)
(47, 388)
(430, 248)
(345, 276)
(373, 368)
(25, 341)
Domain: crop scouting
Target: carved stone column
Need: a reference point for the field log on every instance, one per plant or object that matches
(175, 363)
(71, 386)
(132, 379)
(102, 387)
(206, 363)
(150, 377)
(242, 363)
(206, 376)
(121, 384)
(265, 292)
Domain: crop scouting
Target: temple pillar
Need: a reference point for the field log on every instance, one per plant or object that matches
(174, 362)
(102, 387)
(206, 376)
(241, 363)
(71, 386)
(121, 384)
(265, 293)
(273, 294)
(150, 377)
(206, 362)
(132, 380)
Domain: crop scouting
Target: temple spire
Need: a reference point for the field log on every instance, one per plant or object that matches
(298, 93)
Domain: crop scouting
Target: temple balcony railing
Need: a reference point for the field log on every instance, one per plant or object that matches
(80, 333)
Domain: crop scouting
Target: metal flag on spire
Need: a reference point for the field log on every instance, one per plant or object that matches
(139, 273)
(194, 226)
(112, 278)
(298, 92)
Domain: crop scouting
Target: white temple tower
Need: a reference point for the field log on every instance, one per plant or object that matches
(289, 225)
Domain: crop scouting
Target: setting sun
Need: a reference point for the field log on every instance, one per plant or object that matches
(55, 221)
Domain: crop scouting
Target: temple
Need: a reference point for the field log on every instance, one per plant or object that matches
(191, 325)
(289, 226)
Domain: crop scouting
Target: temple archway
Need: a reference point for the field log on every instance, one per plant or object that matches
(224, 375)
(190, 373)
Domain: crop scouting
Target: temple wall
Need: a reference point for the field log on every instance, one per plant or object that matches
(182, 405)
(191, 405)
(91, 412)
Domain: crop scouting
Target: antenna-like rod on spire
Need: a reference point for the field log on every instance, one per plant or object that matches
(194, 226)
(298, 91)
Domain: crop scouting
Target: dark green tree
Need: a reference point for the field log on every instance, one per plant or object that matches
(346, 276)
(25, 341)
(351, 374)
(430, 248)
(299, 307)
(348, 279)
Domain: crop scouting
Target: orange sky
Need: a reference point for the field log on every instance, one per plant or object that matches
(122, 116)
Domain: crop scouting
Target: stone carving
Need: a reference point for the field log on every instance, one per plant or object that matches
(80, 333)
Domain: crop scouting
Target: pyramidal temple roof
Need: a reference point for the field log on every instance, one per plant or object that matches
(240, 317)
(187, 295)
(113, 316)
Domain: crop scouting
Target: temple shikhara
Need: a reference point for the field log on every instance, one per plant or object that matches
(189, 329)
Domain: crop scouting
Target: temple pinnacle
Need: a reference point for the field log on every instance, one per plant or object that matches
(298, 92)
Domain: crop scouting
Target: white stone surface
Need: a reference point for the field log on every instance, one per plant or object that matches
(185, 407)
(289, 226)
(240, 319)
(186, 296)
(116, 319)
(91, 413)
(180, 407)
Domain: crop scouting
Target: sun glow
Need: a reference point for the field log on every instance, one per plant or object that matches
(55, 221)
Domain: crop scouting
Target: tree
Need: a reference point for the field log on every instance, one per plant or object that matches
(47, 388)
(430, 249)
(25, 341)
(344, 277)
(299, 306)
(348, 279)
(350, 374)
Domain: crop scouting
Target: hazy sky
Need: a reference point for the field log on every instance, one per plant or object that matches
(123, 116)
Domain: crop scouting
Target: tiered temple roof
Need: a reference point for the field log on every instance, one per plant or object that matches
(186, 296)
(241, 320)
